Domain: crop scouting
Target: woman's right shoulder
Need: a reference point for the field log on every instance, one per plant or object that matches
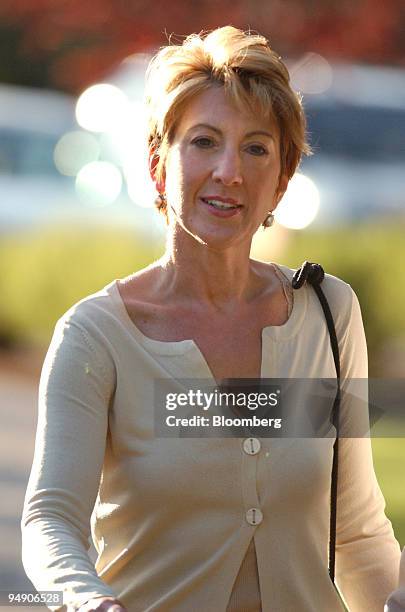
(90, 309)
(84, 334)
(102, 312)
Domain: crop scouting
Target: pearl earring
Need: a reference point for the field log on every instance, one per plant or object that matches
(269, 220)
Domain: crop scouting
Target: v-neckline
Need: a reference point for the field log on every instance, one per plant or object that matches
(172, 348)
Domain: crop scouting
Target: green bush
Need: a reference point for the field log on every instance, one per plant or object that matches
(42, 274)
(372, 259)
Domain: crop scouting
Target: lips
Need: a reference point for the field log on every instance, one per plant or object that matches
(221, 203)
(221, 207)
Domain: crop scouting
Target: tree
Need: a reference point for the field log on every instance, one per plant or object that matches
(72, 43)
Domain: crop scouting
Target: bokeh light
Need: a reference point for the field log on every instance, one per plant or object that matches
(102, 107)
(141, 189)
(312, 74)
(300, 203)
(74, 150)
(99, 183)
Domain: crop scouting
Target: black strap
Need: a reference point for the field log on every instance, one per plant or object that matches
(313, 274)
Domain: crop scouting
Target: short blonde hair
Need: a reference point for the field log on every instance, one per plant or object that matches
(252, 74)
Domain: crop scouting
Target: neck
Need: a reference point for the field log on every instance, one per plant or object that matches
(217, 277)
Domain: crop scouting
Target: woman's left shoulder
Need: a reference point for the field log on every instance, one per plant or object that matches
(341, 297)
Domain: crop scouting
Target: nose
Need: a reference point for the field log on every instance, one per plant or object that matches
(228, 170)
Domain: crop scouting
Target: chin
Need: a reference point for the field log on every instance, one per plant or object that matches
(213, 234)
(218, 239)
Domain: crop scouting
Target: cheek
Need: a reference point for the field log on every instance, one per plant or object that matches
(183, 179)
(174, 176)
(272, 181)
(264, 184)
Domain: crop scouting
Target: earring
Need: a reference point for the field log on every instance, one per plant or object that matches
(160, 201)
(269, 220)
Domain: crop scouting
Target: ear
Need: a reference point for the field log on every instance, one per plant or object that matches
(281, 189)
(154, 159)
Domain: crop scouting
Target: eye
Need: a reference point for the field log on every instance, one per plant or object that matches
(256, 149)
(204, 142)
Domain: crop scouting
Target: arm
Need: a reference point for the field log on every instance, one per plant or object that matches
(76, 383)
(367, 554)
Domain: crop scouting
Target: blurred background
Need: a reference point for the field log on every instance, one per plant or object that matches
(76, 204)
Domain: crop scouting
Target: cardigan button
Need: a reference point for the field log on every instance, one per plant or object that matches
(251, 446)
(254, 516)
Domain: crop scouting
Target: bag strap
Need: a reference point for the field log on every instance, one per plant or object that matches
(314, 274)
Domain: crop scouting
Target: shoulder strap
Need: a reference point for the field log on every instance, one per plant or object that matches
(313, 274)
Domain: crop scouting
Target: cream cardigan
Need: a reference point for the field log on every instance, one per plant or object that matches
(171, 521)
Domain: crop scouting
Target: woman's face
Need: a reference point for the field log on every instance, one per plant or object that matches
(222, 171)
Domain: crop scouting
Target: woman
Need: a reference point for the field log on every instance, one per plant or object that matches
(204, 524)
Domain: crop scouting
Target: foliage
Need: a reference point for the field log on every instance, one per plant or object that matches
(371, 258)
(43, 274)
(79, 42)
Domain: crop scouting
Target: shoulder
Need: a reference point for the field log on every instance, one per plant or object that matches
(94, 326)
(82, 344)
(341, 297)
(105, 306)
(335, 287)
(92, 310)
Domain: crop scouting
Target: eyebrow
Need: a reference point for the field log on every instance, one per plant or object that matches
(218, 131)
